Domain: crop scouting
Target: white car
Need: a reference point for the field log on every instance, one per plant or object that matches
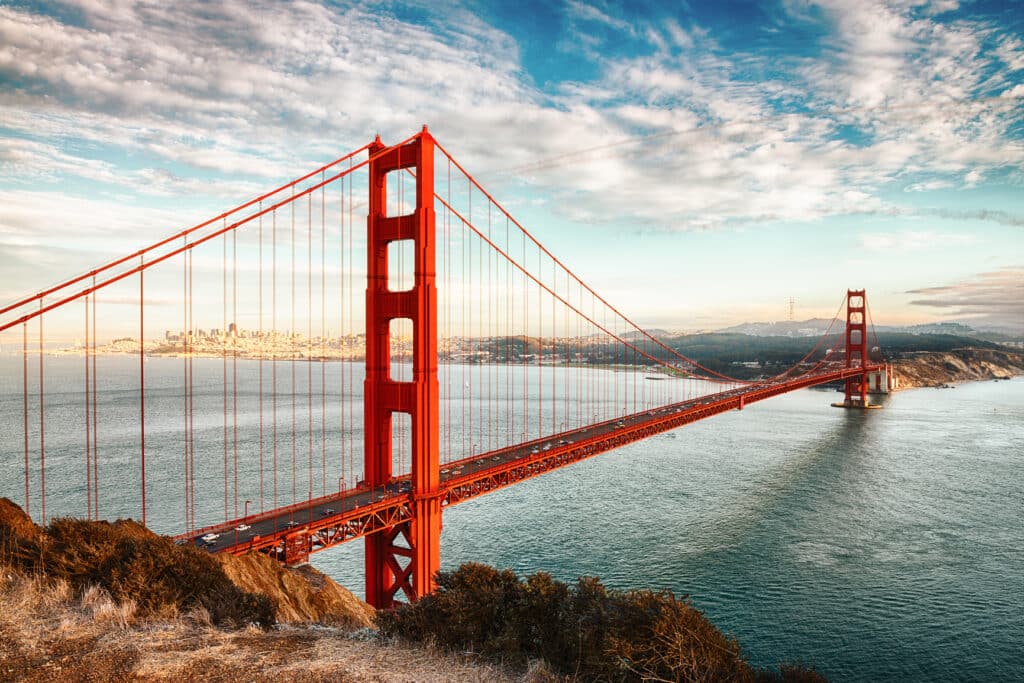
(242, 527)
(210, 538)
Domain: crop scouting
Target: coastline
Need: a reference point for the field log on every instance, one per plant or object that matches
(942, 369)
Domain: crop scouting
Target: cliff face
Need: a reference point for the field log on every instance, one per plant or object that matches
(932, 369)
(298, 595)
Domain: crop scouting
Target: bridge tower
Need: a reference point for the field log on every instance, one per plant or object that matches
(406, 557)
(856, 348)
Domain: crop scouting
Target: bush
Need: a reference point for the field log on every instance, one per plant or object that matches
(131, 563)
(585, 631)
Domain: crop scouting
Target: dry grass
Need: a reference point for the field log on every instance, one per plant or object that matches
(92, 601)
(49, 632)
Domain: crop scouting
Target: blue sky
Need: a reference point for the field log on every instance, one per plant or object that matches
(699, 163)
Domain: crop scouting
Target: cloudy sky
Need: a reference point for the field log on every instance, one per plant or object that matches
(698, 163)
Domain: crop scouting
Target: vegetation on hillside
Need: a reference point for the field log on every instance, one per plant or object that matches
(725, 352)
(585, 631)
(128, 562)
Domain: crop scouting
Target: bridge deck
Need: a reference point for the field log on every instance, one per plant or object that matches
(294, 531)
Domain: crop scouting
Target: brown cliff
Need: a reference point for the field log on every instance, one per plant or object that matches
(935, 369)
(299, 595)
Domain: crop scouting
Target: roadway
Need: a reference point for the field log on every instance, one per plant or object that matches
(349, 514)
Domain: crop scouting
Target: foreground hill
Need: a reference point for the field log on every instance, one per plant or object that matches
(99, 601)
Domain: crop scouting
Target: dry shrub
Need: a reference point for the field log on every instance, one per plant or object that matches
(584, 631)
(131, 564)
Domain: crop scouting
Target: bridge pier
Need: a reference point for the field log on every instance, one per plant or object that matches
(406, 557)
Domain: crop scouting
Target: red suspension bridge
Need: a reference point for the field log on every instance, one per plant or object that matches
(294, 401)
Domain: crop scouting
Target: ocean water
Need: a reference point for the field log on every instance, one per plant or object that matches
(878, 545)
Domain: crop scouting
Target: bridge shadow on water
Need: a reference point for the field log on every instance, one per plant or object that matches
(797, 483)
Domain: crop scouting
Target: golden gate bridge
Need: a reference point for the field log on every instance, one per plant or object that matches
(486, 361)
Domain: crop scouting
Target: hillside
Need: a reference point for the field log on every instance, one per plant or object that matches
(748, 357)
(99, 601)
(930, 369)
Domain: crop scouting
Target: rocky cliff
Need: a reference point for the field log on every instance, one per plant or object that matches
(299, 595)
(934, 369)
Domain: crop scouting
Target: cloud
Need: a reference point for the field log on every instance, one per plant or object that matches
(588, 12)
(928, 186)
(988, 215)
(917, 240)
(992, 299)
(683, 136)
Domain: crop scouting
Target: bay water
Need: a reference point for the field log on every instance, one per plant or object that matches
(874, 545)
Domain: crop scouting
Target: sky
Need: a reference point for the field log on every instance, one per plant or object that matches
(698, 163)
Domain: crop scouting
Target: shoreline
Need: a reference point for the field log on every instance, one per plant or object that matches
(919, 369)
(944, 369)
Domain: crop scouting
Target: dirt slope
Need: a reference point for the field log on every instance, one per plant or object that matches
(299, 595)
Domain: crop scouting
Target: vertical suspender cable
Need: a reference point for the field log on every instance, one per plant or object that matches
(275, 346)
(309, 340)
(42, 424)
(191, 400)
(234, 364)
(323, 341)
(224, 363)
(142, 389)
(262, 347)
(24, 403)
(184, 376)
(95, 415)
(448, 316)
(88, 425)
(291, 349)
(342, 368)
(351, 327)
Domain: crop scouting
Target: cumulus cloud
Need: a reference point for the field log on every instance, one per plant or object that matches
(680, 136)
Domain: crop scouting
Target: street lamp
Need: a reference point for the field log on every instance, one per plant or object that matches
(246, 516)
(341, 483)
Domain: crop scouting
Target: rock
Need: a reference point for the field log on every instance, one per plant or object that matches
(300, 595)
(938, 369)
